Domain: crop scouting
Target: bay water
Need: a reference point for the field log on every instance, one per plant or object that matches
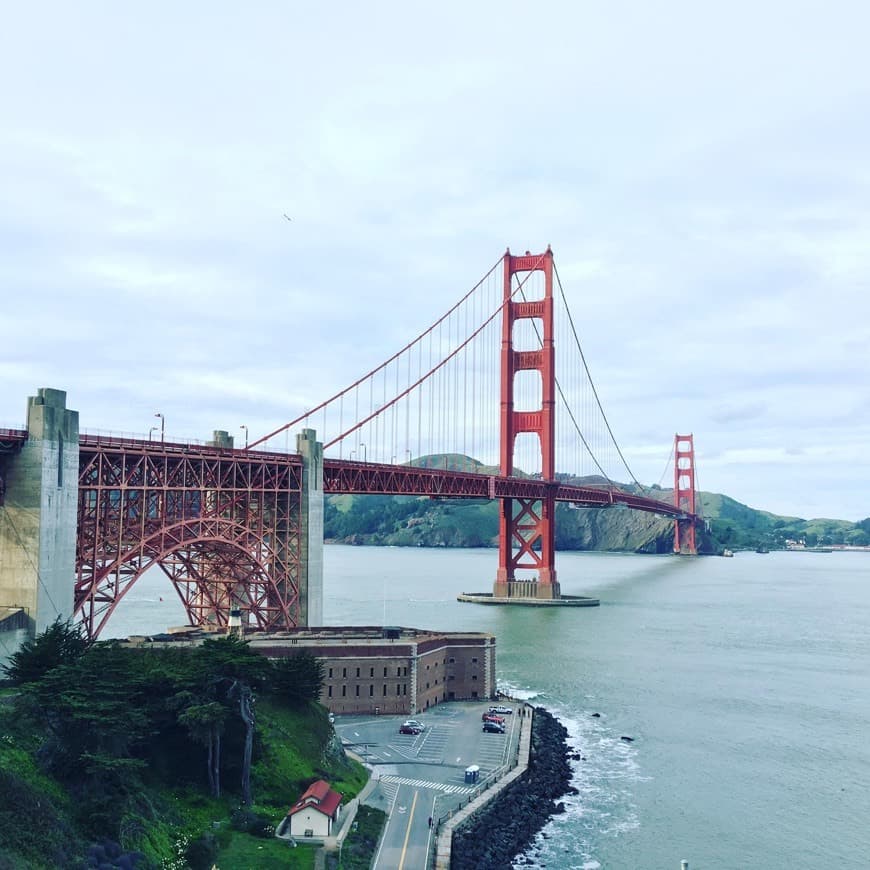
(744, 684)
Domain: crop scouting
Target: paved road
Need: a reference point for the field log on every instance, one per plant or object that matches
(423, 775)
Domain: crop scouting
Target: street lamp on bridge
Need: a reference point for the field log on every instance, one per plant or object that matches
(152, 429)
(162, 425)
(363, 452)
(243, 426)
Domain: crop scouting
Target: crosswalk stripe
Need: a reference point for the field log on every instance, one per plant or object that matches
(422, 783)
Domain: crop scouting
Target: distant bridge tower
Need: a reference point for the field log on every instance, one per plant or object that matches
(684, 494)
(526, 526)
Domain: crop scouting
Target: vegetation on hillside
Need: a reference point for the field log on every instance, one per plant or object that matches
(155, 758)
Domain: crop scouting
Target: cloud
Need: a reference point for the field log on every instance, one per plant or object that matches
(704, 186)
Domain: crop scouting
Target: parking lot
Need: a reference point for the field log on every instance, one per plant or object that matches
(422, 776)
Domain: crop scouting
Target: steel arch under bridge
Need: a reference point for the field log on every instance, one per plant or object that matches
(223, 525)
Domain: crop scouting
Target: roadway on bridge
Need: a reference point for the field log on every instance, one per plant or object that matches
(423, 775)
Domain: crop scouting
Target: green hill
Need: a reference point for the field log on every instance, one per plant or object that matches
(108, 757)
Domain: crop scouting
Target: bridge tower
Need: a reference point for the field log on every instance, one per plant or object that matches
(527, 526)
(38, 517)
(684, 494)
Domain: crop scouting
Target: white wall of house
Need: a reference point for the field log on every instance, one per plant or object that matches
(309, 819)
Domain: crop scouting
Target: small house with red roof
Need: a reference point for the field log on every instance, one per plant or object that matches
(314, 814)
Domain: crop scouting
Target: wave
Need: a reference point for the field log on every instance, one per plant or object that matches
(605, 774)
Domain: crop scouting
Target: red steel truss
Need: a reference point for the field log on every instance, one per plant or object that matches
(684, 494)
(223, 525)
(370, 478)
(526, 526)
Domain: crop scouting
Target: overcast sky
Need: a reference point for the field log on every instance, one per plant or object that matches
(702, 172)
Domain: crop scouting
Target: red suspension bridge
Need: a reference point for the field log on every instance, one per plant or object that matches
(485, 403)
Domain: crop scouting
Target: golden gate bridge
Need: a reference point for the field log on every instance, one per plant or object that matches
(494, 401)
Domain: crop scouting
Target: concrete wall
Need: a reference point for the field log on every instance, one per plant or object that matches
(311, 529)
(38, 519)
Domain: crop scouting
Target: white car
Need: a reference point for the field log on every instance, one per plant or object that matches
(501, 711)
(413, 723)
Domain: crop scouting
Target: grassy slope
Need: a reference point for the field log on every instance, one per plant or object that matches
(295, 748)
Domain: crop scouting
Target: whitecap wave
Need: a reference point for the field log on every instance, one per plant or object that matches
(605, 774)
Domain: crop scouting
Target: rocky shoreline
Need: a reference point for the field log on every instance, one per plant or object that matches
(507, 825)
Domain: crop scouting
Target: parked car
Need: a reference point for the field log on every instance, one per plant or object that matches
(491, 717)
(493, 727)
(408, 728)
(415, 724)
(502, 711)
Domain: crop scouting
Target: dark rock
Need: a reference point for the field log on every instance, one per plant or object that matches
(627, 739)
(507, 825)
(596, 715)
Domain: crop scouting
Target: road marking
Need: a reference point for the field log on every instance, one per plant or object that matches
(422, 783)
(408, 832)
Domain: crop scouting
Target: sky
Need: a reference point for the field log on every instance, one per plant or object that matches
(702, 172)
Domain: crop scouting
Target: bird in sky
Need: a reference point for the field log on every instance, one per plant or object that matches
(288, 218)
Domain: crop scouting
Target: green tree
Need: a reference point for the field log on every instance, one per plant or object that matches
(61, 643)
(231, 671)
(205, 724)
(297, 679)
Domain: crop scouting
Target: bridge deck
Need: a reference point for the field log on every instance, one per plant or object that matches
(340, 476)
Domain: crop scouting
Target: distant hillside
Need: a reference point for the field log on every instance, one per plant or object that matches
(411, 521)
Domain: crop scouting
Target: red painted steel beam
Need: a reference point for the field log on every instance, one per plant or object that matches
(12, 439)
(222, 524)
(369, 478)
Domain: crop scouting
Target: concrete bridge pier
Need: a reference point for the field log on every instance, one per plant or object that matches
(38, 521)
(311, 529)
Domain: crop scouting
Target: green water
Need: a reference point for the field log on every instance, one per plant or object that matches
(744, 682)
